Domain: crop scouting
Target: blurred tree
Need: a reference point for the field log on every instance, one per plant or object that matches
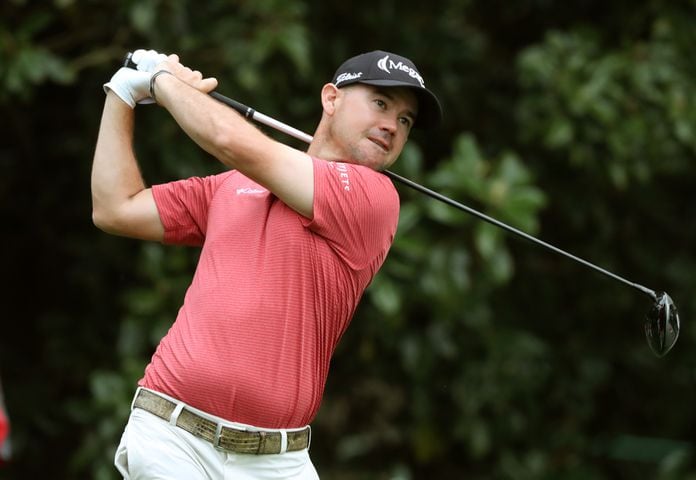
(472, 355)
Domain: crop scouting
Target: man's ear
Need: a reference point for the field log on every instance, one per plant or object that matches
(329, 95)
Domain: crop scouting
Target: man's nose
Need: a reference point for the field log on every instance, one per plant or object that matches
(389, 124)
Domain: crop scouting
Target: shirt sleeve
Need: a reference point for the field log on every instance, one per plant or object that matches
(183, 208)
(356, 209)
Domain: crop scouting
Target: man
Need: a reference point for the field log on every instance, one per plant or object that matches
(290, 240)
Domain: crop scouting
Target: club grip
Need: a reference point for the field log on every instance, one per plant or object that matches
(128, 61)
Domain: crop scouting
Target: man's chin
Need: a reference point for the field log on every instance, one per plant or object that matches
(373, 157)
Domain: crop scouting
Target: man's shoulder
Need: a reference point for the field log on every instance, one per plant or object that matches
(348, 171)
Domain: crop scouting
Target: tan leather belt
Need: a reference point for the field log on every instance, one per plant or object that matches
(222, 436)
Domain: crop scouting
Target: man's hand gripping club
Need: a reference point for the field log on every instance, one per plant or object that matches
(133, 85)
(136, 85)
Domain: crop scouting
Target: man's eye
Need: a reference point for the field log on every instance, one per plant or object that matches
(380, 103)
(405, 121)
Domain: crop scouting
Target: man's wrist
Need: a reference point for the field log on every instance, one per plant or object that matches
(153, 80)
(114, 100)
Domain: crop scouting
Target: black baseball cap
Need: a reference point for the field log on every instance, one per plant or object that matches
(386, 69)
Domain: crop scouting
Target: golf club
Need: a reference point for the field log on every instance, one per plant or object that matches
(661, 324)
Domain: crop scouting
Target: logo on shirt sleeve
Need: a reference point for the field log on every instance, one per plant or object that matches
(251, 191)
(343, 176)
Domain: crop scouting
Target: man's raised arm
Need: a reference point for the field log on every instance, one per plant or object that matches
(226, 135)
(121, 203)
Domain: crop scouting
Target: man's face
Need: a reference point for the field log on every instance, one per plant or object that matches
(371, 124)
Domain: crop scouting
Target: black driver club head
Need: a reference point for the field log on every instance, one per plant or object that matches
(662, 325)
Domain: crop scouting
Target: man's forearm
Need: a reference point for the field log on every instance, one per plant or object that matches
(217, 129)
(115, 173)
(121, 203)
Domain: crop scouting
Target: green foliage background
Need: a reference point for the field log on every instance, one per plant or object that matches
(473, 354)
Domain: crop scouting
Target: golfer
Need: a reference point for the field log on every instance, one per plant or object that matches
(289, 241)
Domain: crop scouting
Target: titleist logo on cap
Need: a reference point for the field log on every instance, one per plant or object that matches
(344, 77)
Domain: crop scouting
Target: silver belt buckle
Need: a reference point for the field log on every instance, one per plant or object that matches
(216, 439)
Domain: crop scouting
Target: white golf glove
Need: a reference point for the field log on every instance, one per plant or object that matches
(131, 86)
(147, 60)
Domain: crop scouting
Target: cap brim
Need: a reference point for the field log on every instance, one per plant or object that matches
(429, 109)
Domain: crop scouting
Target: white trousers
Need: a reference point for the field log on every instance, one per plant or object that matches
(151, 448)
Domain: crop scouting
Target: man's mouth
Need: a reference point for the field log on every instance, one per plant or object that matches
(382, 144)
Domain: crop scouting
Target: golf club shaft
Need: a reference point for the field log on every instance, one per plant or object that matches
(293, 132)
(259, 117)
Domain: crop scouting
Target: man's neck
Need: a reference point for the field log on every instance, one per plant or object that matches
(322, 148)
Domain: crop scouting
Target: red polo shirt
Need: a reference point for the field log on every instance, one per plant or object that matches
(273, 291)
